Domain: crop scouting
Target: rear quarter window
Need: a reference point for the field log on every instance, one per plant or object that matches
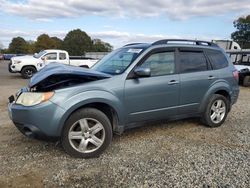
(217, 59)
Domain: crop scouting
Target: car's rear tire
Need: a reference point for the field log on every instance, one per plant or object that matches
(87, 133)
(28, 71)
(216, 111)
(246, 81)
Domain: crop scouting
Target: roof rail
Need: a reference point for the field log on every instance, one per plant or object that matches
(196, 42)
(133, 44)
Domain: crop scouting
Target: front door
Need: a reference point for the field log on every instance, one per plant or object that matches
(153, 97)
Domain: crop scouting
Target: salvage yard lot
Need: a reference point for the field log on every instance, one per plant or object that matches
(180, 153)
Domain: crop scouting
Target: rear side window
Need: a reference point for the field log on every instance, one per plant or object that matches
(62, 56)
(192, 61)
(217, 58)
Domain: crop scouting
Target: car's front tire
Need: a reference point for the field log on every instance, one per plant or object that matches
(87, 133)
(216, 111)
(28, 71)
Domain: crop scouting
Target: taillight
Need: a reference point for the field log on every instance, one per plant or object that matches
(236, 75)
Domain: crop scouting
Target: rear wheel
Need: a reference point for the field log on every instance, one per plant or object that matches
(87, 133)
(246, 81)
(28, 72)
(216, 111)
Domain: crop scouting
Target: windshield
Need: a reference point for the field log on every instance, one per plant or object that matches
(39, 54)
(117, 61)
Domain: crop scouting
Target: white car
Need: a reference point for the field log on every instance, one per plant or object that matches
(28, 65)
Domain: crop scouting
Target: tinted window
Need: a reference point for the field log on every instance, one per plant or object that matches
(161, 63)
(50, 56)
(62, 56)
(217, 59)
(192, 62)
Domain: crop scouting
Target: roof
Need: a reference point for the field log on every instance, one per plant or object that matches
(176, 43)
(53, 50)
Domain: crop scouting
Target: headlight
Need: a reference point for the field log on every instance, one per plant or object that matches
(17, 62)
(32, 98)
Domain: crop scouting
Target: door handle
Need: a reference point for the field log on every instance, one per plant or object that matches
(211, 77)
(172, 82)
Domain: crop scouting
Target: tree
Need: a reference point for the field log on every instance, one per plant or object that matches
(18, 46)
(57, 43)
(242, 33)
(44, 42)
(77, 42)
(100, 46)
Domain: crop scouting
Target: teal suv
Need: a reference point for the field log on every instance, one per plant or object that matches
(168, 79)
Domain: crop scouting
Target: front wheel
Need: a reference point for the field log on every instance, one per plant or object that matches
(87, 133)
(27, 72)
(216, 111)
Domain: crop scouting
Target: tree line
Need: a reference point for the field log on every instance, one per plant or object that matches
(76, 42)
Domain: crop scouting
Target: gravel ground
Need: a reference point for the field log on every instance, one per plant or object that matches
(167, 154)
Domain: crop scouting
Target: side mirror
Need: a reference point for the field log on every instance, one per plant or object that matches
(142, 72)
(35, 54)
(43, 58)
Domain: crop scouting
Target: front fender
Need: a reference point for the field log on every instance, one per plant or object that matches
(94, 96)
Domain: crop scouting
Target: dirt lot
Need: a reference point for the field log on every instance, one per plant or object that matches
(181, 153)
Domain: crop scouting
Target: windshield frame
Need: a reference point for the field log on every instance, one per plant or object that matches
(40, 54)
(115, 52)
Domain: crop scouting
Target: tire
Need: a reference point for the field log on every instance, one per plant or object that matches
(246, 81)
(82, 141)
(28, 71)
(213, 117)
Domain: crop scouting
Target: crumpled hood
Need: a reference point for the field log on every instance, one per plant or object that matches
(58, 74)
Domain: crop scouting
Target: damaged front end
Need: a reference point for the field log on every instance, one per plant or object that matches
(56, 76)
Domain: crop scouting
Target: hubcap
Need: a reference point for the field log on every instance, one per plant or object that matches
(218, 111)
(86, 135)
(29, 73)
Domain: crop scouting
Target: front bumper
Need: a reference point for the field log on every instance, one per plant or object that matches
(40, 121)
(12, 68)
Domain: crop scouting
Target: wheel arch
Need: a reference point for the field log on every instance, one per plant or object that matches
(33, 66)
(108, 109)
(221, 88)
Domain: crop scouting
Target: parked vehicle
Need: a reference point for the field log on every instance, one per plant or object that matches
(169, 79)
(241, 61)
(9, 56)
(227, 44)
(1, 57)
(28, 65)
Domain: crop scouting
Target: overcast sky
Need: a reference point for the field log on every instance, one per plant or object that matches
(121, 21)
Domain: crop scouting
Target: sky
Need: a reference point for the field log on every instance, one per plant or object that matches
(121, 21)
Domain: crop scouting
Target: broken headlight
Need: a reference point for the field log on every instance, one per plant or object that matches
(32, 98)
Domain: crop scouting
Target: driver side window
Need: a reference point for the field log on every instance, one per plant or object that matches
(160, 63)
(50, 56)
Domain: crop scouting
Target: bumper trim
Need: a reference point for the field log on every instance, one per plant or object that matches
(33, 132)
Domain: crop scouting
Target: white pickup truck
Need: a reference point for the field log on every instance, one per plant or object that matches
(28, 65)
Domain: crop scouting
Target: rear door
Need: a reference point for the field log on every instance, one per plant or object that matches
(196, 77)
(62, 58)
(154, 97)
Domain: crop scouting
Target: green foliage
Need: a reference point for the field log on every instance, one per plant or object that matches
(45, 42)
(77, 42)
(18, 46)
(99, 46)
(242, 33)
